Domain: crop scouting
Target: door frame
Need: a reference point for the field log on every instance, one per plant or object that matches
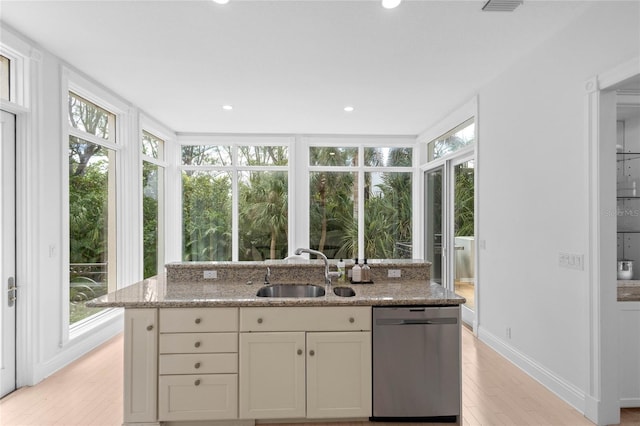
(9, 330)
(447, 165)
(602, 405)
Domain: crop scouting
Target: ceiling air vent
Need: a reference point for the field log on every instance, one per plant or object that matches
(501, 5)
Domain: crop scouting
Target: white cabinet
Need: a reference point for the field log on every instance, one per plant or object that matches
(319, 369)
(272, 375)
(629, 353)
(198, 364)
(140, 365)
(338, 374)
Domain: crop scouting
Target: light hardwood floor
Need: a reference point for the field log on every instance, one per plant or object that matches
(89, 392)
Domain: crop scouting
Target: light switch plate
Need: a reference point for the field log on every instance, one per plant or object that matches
(571, 261)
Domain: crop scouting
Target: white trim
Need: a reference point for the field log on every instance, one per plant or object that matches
(602, 404)
(566, 391)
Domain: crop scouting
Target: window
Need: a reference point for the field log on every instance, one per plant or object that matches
(458, 138)
(250, 223)
(152, 203)
(5, 79)
(92, 223)
(361, 194)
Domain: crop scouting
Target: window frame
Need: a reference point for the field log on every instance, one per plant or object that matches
(76, 83)
(235, 141)
(361, 142)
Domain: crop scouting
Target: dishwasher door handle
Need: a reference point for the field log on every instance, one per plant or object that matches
(420, 321)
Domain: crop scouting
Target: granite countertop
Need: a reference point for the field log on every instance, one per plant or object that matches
(156, 292)
(629, 291)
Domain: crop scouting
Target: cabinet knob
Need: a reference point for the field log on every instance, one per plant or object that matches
(197, 344)
(299, 351)
(197, 382)
(198, 320)
(259, 320)
(197, 365)
(149, 327)
(352, 320)
(312, 352)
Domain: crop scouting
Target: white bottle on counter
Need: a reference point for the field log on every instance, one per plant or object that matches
(356, 273)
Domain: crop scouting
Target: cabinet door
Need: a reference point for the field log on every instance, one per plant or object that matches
(629, 353)
(338, 374)
(203, 397)
(272, 375)
(140, 365)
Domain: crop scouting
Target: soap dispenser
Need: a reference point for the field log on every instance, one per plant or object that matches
(366, 272)
(356, 273)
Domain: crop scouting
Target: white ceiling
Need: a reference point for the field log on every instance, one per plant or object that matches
(290, 66)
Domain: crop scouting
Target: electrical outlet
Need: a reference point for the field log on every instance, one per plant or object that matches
(508, 333)
(210, 275)
(394, 273)
(571, 261)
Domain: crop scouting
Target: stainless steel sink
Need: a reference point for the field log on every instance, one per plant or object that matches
(344, 291)
(291, 290)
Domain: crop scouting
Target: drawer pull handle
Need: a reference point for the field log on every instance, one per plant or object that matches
(312, 352)
(197, 382)
(299, 351)
(198, 320)
(259, 320)
(352, 320)
(197, 344)
(197, 365)
(149, 327)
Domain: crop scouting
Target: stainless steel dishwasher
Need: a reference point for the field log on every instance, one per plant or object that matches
(416, 363)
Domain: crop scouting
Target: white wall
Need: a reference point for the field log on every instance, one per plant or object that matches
(533, 197)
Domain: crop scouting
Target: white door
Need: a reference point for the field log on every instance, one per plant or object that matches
(8, 251)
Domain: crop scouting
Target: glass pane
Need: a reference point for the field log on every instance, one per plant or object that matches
(263, 210)
(90, 118)
(464, 243)
(263, 155)
(152, 146)
(152, 185)
(91, 221)
(333, 156)
(388, 157)
(333, 214)
(206, 215)
(206, 155)
(387, 216)
(5, 78)
(458, 138)
(433, 222)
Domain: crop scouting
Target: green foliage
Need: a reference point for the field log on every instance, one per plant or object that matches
(464, 202)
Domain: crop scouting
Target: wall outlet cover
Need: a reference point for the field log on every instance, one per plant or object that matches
(210, 275)
(394, 273)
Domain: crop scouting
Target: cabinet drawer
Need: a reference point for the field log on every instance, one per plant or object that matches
(198, 397)
(184, 343)
(194, 320)
(331, 318)
(198, 363)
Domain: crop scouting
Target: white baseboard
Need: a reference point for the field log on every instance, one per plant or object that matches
(560, 387)
(629, 402)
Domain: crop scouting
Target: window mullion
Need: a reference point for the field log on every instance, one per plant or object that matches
(88, 137)
(235, 210)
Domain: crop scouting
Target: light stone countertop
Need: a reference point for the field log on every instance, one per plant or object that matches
(157, 293)
(628, 290)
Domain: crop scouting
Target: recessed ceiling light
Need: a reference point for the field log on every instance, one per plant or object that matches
(349, 108)
(221, 1)
(390, 4)
(227, 107)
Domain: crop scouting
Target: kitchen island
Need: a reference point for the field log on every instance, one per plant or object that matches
(212, 350)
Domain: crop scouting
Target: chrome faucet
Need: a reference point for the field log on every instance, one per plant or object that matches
(327, 274)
